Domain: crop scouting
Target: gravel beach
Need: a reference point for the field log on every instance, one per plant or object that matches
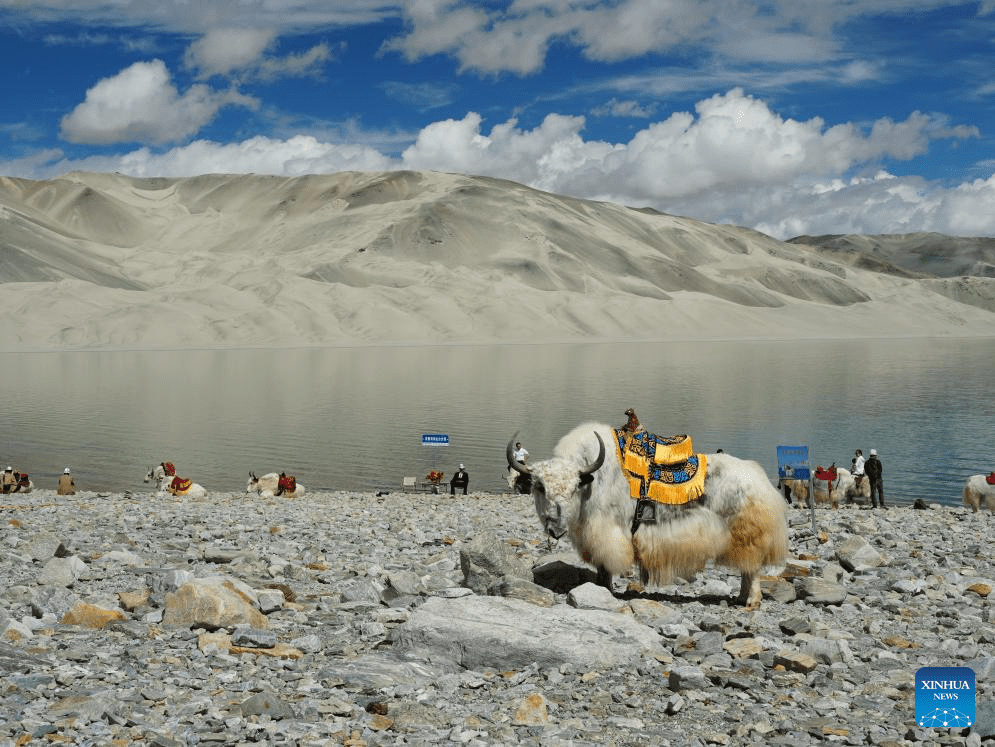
(345, 618)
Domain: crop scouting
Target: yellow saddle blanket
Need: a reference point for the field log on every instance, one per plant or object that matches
(664, 469)
(180, 484)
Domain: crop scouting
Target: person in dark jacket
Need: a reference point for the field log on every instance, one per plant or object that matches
(460, 480)
(873, 470)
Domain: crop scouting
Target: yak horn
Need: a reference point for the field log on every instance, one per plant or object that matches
(596, 464)
(512, 462)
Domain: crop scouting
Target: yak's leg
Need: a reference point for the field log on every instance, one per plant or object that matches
(604, 578)
(749, 591)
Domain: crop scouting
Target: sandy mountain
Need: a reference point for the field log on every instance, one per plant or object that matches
(105, 260)
(949, 265)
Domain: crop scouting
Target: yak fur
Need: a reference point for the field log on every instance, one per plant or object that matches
(977, 489)
(844, 489)
(739, 523)
(158, 475)
(266, 486)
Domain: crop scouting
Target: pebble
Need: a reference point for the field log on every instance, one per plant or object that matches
(350, 618)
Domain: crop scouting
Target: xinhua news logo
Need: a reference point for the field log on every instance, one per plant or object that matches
(945, 697)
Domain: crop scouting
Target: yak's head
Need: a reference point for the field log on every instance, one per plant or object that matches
(557, 487)
(253, 483)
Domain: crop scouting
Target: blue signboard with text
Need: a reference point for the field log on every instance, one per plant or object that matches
(792, 462)
(435, 439)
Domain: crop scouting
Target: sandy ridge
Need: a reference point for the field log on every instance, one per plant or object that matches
(108, 261)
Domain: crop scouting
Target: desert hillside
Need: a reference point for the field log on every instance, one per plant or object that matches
(103, 260)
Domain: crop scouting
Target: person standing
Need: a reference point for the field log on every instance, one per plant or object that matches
(858, 467)
(460, 480)
(521, 482)
(873, 470)
(67, 486)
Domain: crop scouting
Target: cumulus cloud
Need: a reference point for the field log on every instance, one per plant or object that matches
(734, 140)
(141, 104)
(731, 160)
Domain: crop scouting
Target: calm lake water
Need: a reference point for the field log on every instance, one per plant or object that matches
(352, 418)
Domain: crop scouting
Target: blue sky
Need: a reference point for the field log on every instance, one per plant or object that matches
(789, 116)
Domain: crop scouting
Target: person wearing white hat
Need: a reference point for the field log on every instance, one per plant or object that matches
(873, 470)
(460, 480)
(67, 486)
(7, 480)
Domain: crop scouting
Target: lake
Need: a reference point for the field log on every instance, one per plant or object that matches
(352, 417)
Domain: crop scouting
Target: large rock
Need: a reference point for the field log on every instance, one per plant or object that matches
(593, 597)
(62, 571)
(856, 554)
(819, 591)
(486, 560)
(45, 546)
(212, 603)
(494, 632)
(91, 616)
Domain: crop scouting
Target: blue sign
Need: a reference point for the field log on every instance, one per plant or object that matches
(945, 697)
(435, 439)
(792, 462)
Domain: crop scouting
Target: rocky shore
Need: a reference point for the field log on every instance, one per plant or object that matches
(359, 619)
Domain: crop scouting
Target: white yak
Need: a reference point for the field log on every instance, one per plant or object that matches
(740, 521)
(267, 485)
(977, 488)
(176, 486)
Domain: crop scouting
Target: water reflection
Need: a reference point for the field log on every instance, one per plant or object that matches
(352, 417)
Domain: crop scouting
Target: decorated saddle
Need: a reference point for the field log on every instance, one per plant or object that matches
(287, 484)
(169, 468)
(664, 469)
(180, 484)
(829, 475)
(990, 479)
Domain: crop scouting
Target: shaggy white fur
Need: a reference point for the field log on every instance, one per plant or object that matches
(158, 475)
(976, 489)
(799, 492)
(740, 523)
(266, 486)
(844, 489)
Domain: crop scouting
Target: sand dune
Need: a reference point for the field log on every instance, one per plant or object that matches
(104, 260)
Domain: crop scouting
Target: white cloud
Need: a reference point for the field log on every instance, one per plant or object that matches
(295, 156)
(185, 17)
(220, 51)
(732, 160)
(141, 104)
(627, 108)
(243, 52)
(492, 38)
(307, 63)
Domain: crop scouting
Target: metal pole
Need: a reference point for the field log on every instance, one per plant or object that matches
(811, 491)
